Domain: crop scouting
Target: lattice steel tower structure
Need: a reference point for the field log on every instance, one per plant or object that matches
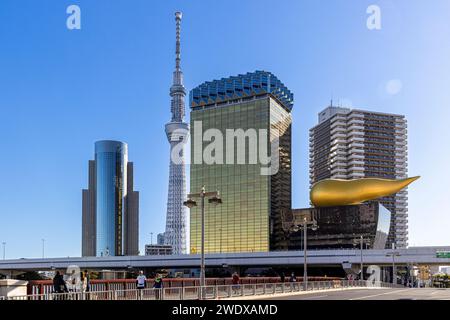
(177, 131)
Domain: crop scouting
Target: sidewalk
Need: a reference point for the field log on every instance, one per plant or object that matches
(296, 293)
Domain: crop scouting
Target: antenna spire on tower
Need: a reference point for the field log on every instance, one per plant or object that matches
(178, 17)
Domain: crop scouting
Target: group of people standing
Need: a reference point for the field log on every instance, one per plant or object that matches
(83, 285)
(83, 282)
(141, 281)
(292, 277)
(74, 284)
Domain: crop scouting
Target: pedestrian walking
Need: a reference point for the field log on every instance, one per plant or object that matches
(86, 284)
(235, 280)
(293, 280)
(158, 286)
(141, 282)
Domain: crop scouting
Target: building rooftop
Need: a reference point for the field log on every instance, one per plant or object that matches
(241, 86)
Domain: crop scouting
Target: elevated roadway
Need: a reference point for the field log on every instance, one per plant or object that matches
(416, 255)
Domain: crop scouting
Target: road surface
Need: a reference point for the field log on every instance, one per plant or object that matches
(373, 294)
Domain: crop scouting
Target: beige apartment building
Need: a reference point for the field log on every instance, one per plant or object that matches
(352, 144)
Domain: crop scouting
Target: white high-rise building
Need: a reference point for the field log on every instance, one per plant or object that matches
(353, 144)
(177, 131)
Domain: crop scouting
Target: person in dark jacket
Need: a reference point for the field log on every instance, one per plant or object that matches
(293, 280)
(158, 284)
(59, 285)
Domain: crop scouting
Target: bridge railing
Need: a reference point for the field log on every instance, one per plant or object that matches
(214, 292)
(46, 286)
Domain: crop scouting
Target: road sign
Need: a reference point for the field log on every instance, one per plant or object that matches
(443, 254)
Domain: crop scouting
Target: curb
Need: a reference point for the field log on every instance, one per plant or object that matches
(288, 294)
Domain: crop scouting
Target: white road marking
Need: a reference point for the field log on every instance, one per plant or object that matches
(435, 292)
(315, 297)
(380, 294)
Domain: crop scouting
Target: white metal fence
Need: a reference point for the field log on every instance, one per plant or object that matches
(207, 292)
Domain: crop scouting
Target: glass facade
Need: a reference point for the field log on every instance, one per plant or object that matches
(340, 226)
(252, 202)
(281, 182)
(383, 227)
(111, 158)
(242, 86)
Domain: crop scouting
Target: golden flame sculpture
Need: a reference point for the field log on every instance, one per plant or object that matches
(334, 192)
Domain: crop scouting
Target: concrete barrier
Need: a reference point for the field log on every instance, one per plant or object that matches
(13, 288)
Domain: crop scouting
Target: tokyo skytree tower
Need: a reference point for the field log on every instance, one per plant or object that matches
(177, 131)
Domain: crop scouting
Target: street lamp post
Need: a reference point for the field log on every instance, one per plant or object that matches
(362, 261)
(411, 274)
(4, 250)
(43, 248)
(151, 238)
(393, 254)
(304, 227)
(214, 198)
(305, 261)
(362, 241)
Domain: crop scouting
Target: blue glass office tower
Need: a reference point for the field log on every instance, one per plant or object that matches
(110, 206)
(111, 158)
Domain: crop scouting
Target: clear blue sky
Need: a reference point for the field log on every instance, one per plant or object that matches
(62, 90)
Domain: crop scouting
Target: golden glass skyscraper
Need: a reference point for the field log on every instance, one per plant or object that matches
(249, 219)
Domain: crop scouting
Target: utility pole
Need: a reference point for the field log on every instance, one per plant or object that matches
(151, 238)
(4, 250)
